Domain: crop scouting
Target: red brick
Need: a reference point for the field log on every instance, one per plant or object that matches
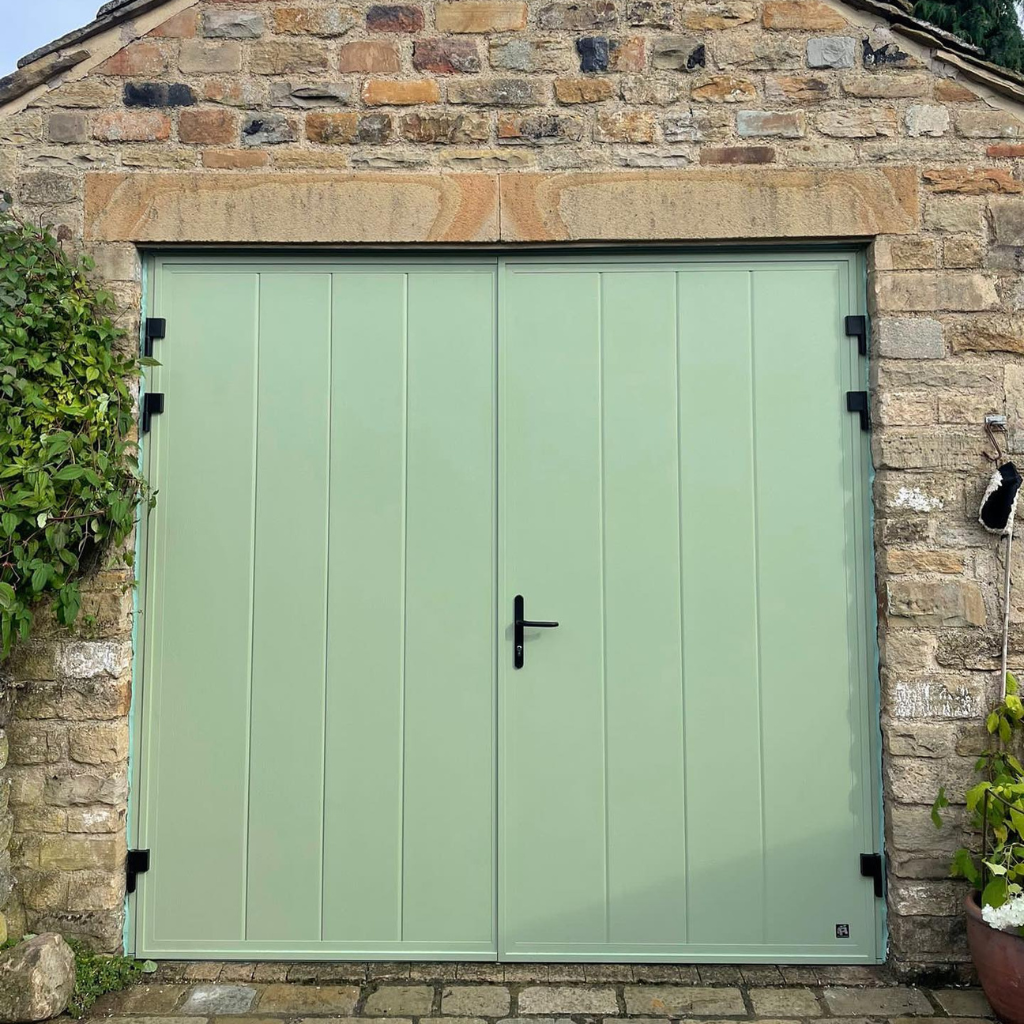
(132, 126)
(802, 14)
(583, 90)
(446, 56)
(368, 57)
(332, 129)
(385, 92)
(627, 54)
(624, 126)
(1005, 151)
(207, 127)
(136, 59)
(480, 16)
(738, 155)
(181, 26)
(235, 159)
(394, 18)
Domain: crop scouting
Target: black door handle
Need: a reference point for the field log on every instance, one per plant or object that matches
(518, 610)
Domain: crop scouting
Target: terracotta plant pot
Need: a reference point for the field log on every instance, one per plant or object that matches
(999, 959)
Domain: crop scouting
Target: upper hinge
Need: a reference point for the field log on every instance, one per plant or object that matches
(857, 327)
(155, 330)
(136, 863)
(871, 867)
(857, 401)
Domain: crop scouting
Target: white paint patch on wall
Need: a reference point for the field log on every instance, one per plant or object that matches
(914, 499)
(936, 700)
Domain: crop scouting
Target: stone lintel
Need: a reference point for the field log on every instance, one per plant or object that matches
(708, 204)
(382, 207)
(270, 208)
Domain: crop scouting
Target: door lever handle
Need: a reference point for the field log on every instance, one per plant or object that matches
(519, 623)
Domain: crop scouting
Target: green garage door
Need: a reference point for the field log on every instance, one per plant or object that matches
(367, 471)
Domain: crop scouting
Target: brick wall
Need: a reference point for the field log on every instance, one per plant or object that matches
(741, 87)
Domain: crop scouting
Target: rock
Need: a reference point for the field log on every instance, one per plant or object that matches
(830, 52)
(37, 978)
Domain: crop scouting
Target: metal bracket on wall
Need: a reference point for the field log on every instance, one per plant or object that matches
(136, 863)
(871, 867)
(857, 327)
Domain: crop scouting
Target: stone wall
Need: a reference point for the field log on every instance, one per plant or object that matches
(590, 119)
(68, 770)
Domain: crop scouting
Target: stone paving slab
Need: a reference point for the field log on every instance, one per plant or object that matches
(784, 1002)
(568, 999)
(877, 1002)
(208, 1000)
(400, 1001)
(684, 1001)
(476, 1000)
(963, 1002)
(485, 1002)
(309, 999)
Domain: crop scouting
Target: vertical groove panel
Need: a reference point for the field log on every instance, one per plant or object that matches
(326, 599)
(643, 659)
(812, 687)
(449, 646)
(362, 836)
(551, 726)
(758, 677)
(404, 606)
(720, 630)
(289, 623)
(198, 656)
(604, 600)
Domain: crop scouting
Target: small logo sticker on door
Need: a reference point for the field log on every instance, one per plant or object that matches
(842, 931)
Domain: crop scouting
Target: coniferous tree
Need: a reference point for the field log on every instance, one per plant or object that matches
(991, 24)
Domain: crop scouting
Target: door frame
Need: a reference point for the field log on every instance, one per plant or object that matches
(854, 255)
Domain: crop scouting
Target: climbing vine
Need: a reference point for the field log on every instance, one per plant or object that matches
(69, 480)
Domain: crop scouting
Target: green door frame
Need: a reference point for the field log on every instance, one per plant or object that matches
(852, 253)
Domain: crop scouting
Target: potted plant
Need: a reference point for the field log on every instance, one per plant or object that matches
(995, 906)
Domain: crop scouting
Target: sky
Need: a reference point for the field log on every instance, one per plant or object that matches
(26, 24)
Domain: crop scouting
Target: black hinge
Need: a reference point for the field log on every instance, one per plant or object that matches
(857, 401)
(155, 330)
(152, 405)
(871, 867)
(856, 327)
(136, 864)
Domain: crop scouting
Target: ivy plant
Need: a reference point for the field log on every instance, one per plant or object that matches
(69, 478)
(996, 809)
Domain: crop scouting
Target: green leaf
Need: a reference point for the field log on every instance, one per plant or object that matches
(68, 473)
(992, 722)
(995, 893)
(940, 803)
(963, 866)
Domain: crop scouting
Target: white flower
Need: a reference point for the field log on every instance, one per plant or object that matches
(1007, 918)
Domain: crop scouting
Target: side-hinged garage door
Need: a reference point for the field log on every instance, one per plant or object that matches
(318, 736)
(510, 608)
(685, 761)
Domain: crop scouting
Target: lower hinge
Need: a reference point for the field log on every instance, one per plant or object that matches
(137, 863)
(871, 867)
(152, 405)
(857, 401)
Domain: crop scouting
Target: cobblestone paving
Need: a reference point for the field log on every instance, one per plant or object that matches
(270, 993)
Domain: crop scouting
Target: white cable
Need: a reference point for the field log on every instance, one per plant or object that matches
(1006, 611)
